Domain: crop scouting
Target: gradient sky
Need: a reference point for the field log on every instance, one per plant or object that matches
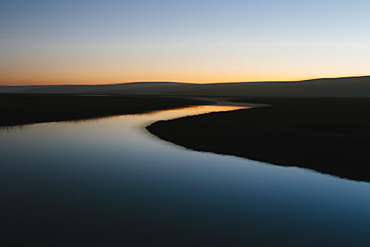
(112, 41)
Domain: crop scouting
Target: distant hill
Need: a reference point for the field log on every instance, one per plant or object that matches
(324, 87)
(124, 88)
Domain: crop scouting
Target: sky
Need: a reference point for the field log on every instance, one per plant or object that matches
(199, 41)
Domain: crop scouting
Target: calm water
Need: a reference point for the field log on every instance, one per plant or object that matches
(110, 183)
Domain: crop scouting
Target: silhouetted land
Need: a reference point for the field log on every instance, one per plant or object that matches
(346, 87)
(19, 109)
(328, 135)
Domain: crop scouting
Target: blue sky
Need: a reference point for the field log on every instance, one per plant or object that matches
(88, 42)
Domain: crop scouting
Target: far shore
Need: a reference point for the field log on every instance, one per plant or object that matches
(21, 109)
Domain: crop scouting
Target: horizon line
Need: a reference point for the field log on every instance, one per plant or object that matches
(180, 82)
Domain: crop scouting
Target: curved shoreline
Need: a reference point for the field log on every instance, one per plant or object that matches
(327, 135)
(23, 109)
(324, 135)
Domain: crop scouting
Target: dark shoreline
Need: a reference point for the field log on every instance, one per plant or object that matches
(21, 109)
(330, 136)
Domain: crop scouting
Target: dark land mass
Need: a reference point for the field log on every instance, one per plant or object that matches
(348, 87)
(20, 109)
(329, 135)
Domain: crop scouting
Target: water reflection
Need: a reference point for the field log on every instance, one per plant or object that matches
(109, 183)
(8, 129)
(167, 114)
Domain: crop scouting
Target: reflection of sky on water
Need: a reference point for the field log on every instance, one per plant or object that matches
(109, 174)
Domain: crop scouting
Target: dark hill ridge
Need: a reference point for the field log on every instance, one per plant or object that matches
(85, 89)
(325, 87)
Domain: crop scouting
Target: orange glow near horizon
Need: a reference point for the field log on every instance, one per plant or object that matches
(193, 66)
(24, 80)
(109, 73)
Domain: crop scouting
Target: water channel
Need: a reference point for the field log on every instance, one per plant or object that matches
(108, 182)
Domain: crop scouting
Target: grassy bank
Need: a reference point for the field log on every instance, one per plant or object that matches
(20, 109)
(328, 135)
